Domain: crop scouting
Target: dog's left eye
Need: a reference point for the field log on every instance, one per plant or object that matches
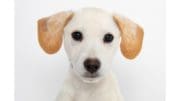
(108, 38)
(77, 35)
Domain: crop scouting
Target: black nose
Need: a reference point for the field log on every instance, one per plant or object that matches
(92, 65)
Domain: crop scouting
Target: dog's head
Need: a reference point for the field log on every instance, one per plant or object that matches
(91, 37)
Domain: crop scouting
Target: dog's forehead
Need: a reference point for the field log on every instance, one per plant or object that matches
(92, 17)
(95, 15)
(92, 13)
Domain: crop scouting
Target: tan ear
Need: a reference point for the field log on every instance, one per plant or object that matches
(50, 30)
(131, 36)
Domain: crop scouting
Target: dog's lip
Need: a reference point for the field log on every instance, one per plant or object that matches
(87, 75)
(90, 76)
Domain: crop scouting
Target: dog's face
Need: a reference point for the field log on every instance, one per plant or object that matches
(91, 37)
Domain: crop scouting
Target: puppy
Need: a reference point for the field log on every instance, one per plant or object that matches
(91, 38)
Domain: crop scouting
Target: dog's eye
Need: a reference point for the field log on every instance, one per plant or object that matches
(77, 35)
(108, 38)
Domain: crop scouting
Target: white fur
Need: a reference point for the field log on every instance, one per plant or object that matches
(94, 24)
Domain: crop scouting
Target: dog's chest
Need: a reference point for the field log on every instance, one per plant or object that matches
(96, 94)
(99, 97)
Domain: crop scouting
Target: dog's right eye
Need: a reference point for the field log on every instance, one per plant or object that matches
(108, 38)
(77, 36)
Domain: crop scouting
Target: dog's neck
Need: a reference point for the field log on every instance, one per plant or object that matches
(78, 89)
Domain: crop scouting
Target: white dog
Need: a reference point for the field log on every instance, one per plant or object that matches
(91, 37)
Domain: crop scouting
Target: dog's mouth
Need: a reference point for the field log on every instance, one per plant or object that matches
(91, 75)
(91, 78)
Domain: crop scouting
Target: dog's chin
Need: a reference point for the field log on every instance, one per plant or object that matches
(91, 80)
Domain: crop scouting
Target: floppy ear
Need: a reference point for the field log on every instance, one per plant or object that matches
(131, 36)
(50, 30)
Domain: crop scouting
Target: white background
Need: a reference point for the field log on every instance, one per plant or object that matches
(39, 76)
